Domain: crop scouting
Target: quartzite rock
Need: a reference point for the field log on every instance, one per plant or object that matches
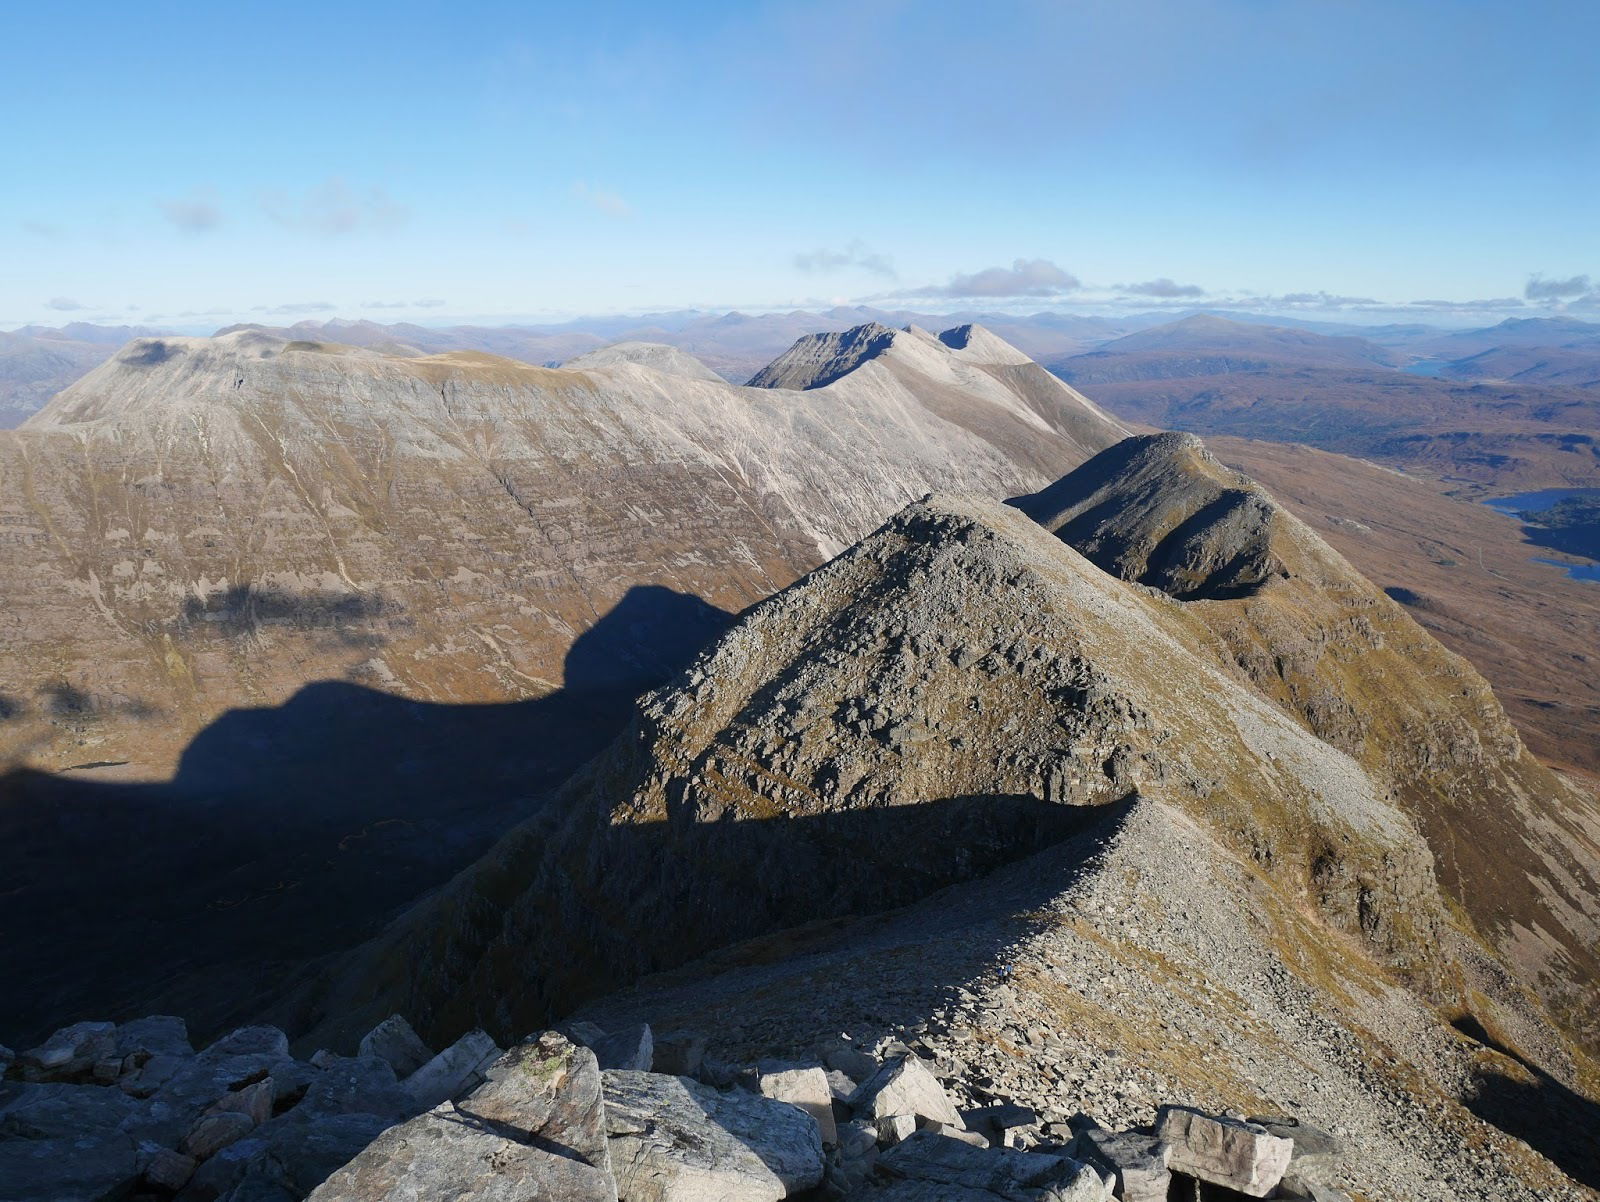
(1225, 1151)
(394, 1040)
(805, 1086)
(999, 1172)
(213, 1132)
(675, 1140)
(452, 1072)
(904, 1086)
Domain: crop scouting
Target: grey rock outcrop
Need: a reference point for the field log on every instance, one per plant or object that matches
(675, 1140)
(452, 1072)
(993, 1172)
(904, 1088)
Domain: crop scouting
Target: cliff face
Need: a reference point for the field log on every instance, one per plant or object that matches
(1516, 847)
(202, 524)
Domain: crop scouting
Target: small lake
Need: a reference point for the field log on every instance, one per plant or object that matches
(1426, 367)
(1538, 502)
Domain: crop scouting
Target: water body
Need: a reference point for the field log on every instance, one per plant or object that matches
(1539, 501)
(1426, 367)
(1578, 571)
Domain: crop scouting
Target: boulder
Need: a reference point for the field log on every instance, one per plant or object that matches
(56, 1110)
(970, 1138)
(359, 1085)
(1137, 1162)
(550, 1091)
(70, 1054)
(160, 1034)
(805, 1086)
(169, 1170)
(849, 1059)
(291, 1154)
(7, 1058)
(673, 1139)
(394, 1040)
(894, 1128)
(535, 1128)
(254, 1101)
(1315, 1150)
(993, 1172)
(84, 1168)
(251, 1041)
(631, 1049)
(1225, 1151)
(1000, 1117)
(213, 1132)
(679, 1054)
(904, 1086)
(452, 1072)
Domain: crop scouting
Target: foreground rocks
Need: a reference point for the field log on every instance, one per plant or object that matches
(244, 1121)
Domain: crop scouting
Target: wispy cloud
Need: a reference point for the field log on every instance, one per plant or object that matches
(295, 308)
(1540, 289)
(603, 199)
(64, 304)
(857, 255)
(429, 303)
(1162, 287)
(192, 216)
(1025, 277)
(334, 208)
(41, 229)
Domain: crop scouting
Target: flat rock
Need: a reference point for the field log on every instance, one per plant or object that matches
(159, 1034)
(394, 1040)
(213, 1132)
(673, 1139)
(359, 1085)
(88, 1168)
(1230, 1152)
(904, 1086)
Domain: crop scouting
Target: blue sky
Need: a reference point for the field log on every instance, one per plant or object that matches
(185, 164)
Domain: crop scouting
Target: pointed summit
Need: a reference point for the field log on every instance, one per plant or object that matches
(817, 360)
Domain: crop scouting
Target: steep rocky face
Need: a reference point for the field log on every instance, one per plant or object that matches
(1516, 846)
(957, 691)
(202, 524)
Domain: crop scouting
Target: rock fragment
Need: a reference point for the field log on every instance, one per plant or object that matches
(1138, 1163)
(452, 1072)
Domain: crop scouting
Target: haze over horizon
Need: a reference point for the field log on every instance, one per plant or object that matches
(486, 162)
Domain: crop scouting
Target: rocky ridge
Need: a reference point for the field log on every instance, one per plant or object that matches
(1513, 843)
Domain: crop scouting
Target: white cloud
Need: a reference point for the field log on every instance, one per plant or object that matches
(333, 208)
(605, 201)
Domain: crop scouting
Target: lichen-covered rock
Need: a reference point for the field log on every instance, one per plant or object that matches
(535, 1128)
(676, 1140)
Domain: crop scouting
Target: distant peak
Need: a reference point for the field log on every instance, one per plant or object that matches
(654, 355)
(817, 360)
(981, 345)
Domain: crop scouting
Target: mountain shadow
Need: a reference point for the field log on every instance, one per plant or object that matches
(293, 831)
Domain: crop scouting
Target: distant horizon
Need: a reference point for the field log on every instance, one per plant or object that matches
(1371, 319)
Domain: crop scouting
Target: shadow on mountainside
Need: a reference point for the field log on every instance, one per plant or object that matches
(291, 832)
